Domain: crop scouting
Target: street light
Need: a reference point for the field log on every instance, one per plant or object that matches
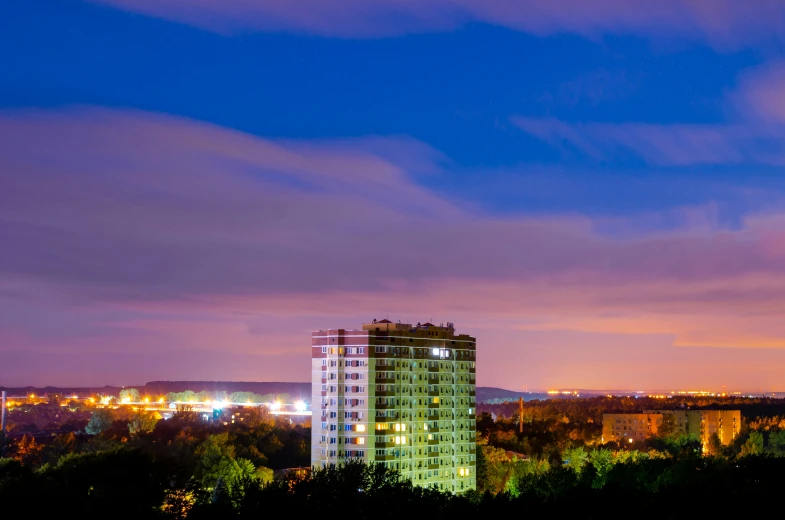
(299, 406)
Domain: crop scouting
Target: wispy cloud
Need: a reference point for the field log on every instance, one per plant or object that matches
(668, 145)
(725, 24)
(121, 229)
(753, 134)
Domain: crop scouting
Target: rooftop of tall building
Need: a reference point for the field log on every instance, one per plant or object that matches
(398, 325)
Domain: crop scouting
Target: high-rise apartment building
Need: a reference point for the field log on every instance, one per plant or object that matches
(630, 427)
(397, 394)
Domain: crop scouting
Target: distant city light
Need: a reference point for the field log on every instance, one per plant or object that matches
(299, 406)
(275, 405)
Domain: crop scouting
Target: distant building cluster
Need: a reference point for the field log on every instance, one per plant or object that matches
(631, 427)
(398, 394)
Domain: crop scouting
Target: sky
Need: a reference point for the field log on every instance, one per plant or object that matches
(594, 190)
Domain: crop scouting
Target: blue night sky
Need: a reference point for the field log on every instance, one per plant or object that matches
(594, 190)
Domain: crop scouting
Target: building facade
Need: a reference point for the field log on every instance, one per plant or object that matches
(629, 427)
(398, 394)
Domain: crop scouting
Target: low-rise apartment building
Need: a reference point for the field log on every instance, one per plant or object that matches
(630, 427)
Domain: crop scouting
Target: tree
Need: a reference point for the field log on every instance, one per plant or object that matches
(258, 416)
(481, 468)
(61, 445)
(5, 444)
(178, 503)
(218, 466)
(753, 445)
(602, 461)
(668, 426)
(575, 458)
(185, 415)
(181, 397)
(497, 469)
(777, 443)
(28, 452)
(264, 475)
(100, 421)
(714, 445)
(143, 421)
(245, 397)
(684, 445)
(130, 394)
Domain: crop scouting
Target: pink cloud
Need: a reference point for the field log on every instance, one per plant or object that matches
(761, 94)
(725, 24)
(131, 232)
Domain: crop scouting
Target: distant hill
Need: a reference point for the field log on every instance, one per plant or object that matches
(489, 394)
(296, 390)
(62, 390)
(485, 394)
